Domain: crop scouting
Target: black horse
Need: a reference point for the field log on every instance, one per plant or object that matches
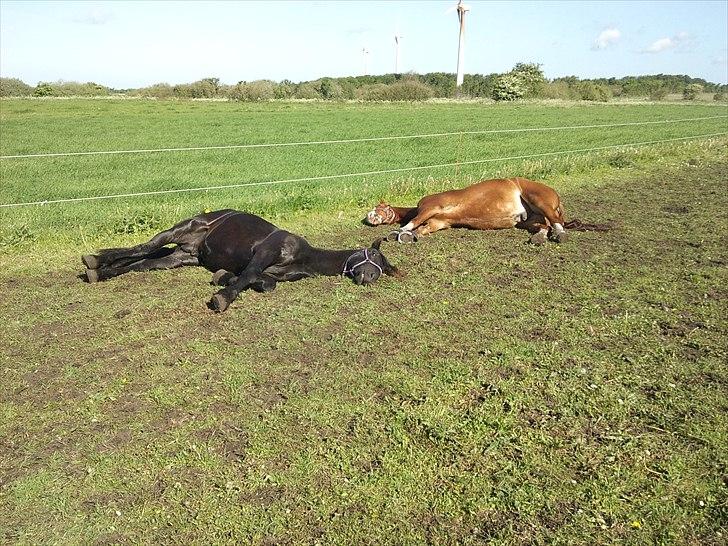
(243, 250)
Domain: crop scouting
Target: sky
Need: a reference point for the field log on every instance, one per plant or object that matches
(124, 44)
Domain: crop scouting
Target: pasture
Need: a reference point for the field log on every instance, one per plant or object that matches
(499, 393)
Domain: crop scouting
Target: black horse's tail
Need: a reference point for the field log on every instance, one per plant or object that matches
(578, 225)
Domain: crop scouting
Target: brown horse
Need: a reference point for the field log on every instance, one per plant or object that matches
(244, 250)
(489, 204)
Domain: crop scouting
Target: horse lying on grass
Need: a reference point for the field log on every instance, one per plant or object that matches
(490, 204)
(243, 250)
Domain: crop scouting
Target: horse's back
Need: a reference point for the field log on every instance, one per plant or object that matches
(230, 242)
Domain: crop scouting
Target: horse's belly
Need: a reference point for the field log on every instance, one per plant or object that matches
(230, 245)
(492, 212)
(233, 261)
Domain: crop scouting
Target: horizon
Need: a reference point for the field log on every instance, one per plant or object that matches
(172, 84)
(129, 45)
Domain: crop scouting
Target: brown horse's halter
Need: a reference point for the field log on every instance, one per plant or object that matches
(366, 259)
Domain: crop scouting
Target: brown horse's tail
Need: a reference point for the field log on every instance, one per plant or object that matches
(578, 225)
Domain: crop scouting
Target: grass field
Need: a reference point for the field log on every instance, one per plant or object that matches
(499, 393)
(33, 126)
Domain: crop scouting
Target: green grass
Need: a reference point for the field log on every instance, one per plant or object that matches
(499, 393)
(33, 126)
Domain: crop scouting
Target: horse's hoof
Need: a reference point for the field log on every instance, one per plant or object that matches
(402, 236)
(221, 277)
(407, 237)
(560, 237)
(218, 303)
(92, 275)
(538, 238)
(90, 261)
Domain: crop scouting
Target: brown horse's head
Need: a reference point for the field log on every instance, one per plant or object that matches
(382, 214)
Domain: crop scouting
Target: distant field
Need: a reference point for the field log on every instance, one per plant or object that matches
(34, 126)
(499, 393)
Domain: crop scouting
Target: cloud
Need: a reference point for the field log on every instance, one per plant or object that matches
(358, 30)
(94, 16)
(606, 37)
(665, 44)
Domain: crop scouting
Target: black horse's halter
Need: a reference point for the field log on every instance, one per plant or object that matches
(367, 259)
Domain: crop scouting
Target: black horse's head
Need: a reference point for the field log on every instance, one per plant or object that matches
(366, 265)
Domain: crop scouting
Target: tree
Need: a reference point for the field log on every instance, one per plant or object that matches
(531, 78)
(691, 91)
(13, 87)
(508, 87)
(43, 89)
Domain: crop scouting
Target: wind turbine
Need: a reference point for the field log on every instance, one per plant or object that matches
(396, 52)
(365, 52)
(462, 9)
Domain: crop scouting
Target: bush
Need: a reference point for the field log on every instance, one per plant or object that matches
(404, 90)
(259, 90)
(442, 83)
(13, 87)
(43, 89)
(559, 90)
(477, 85)
(508, 87)
(719, 96)
(531, 78)
(205, 88)
(594, 92)
(372, 92)
(284, 90)
(691, 91)
(658, 93)
(158, 90)
(408, 90)
(70, 89)
(306, 91)
(330, 89)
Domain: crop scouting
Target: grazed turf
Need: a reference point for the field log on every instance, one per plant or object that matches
(499, 393)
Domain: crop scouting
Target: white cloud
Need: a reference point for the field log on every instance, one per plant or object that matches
(663, 44)
(95, 16)
(606, 37)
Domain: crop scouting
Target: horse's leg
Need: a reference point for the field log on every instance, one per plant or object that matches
(431, 226)
(537, 226)
(187, 234)
(265, 255)
(175, 258)
(420, 218)
(416, 226)
(265, 283)
(550, 208)
(222, 277)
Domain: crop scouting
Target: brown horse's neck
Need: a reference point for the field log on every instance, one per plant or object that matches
(402, 215)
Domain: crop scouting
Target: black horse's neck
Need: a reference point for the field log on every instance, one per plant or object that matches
(328, 262)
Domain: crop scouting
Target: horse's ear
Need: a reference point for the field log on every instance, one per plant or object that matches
(377, 243)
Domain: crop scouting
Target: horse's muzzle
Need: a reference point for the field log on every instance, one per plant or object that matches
(374, 219)
(365, 277)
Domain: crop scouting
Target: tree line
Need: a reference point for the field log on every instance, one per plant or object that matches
(525, 80)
